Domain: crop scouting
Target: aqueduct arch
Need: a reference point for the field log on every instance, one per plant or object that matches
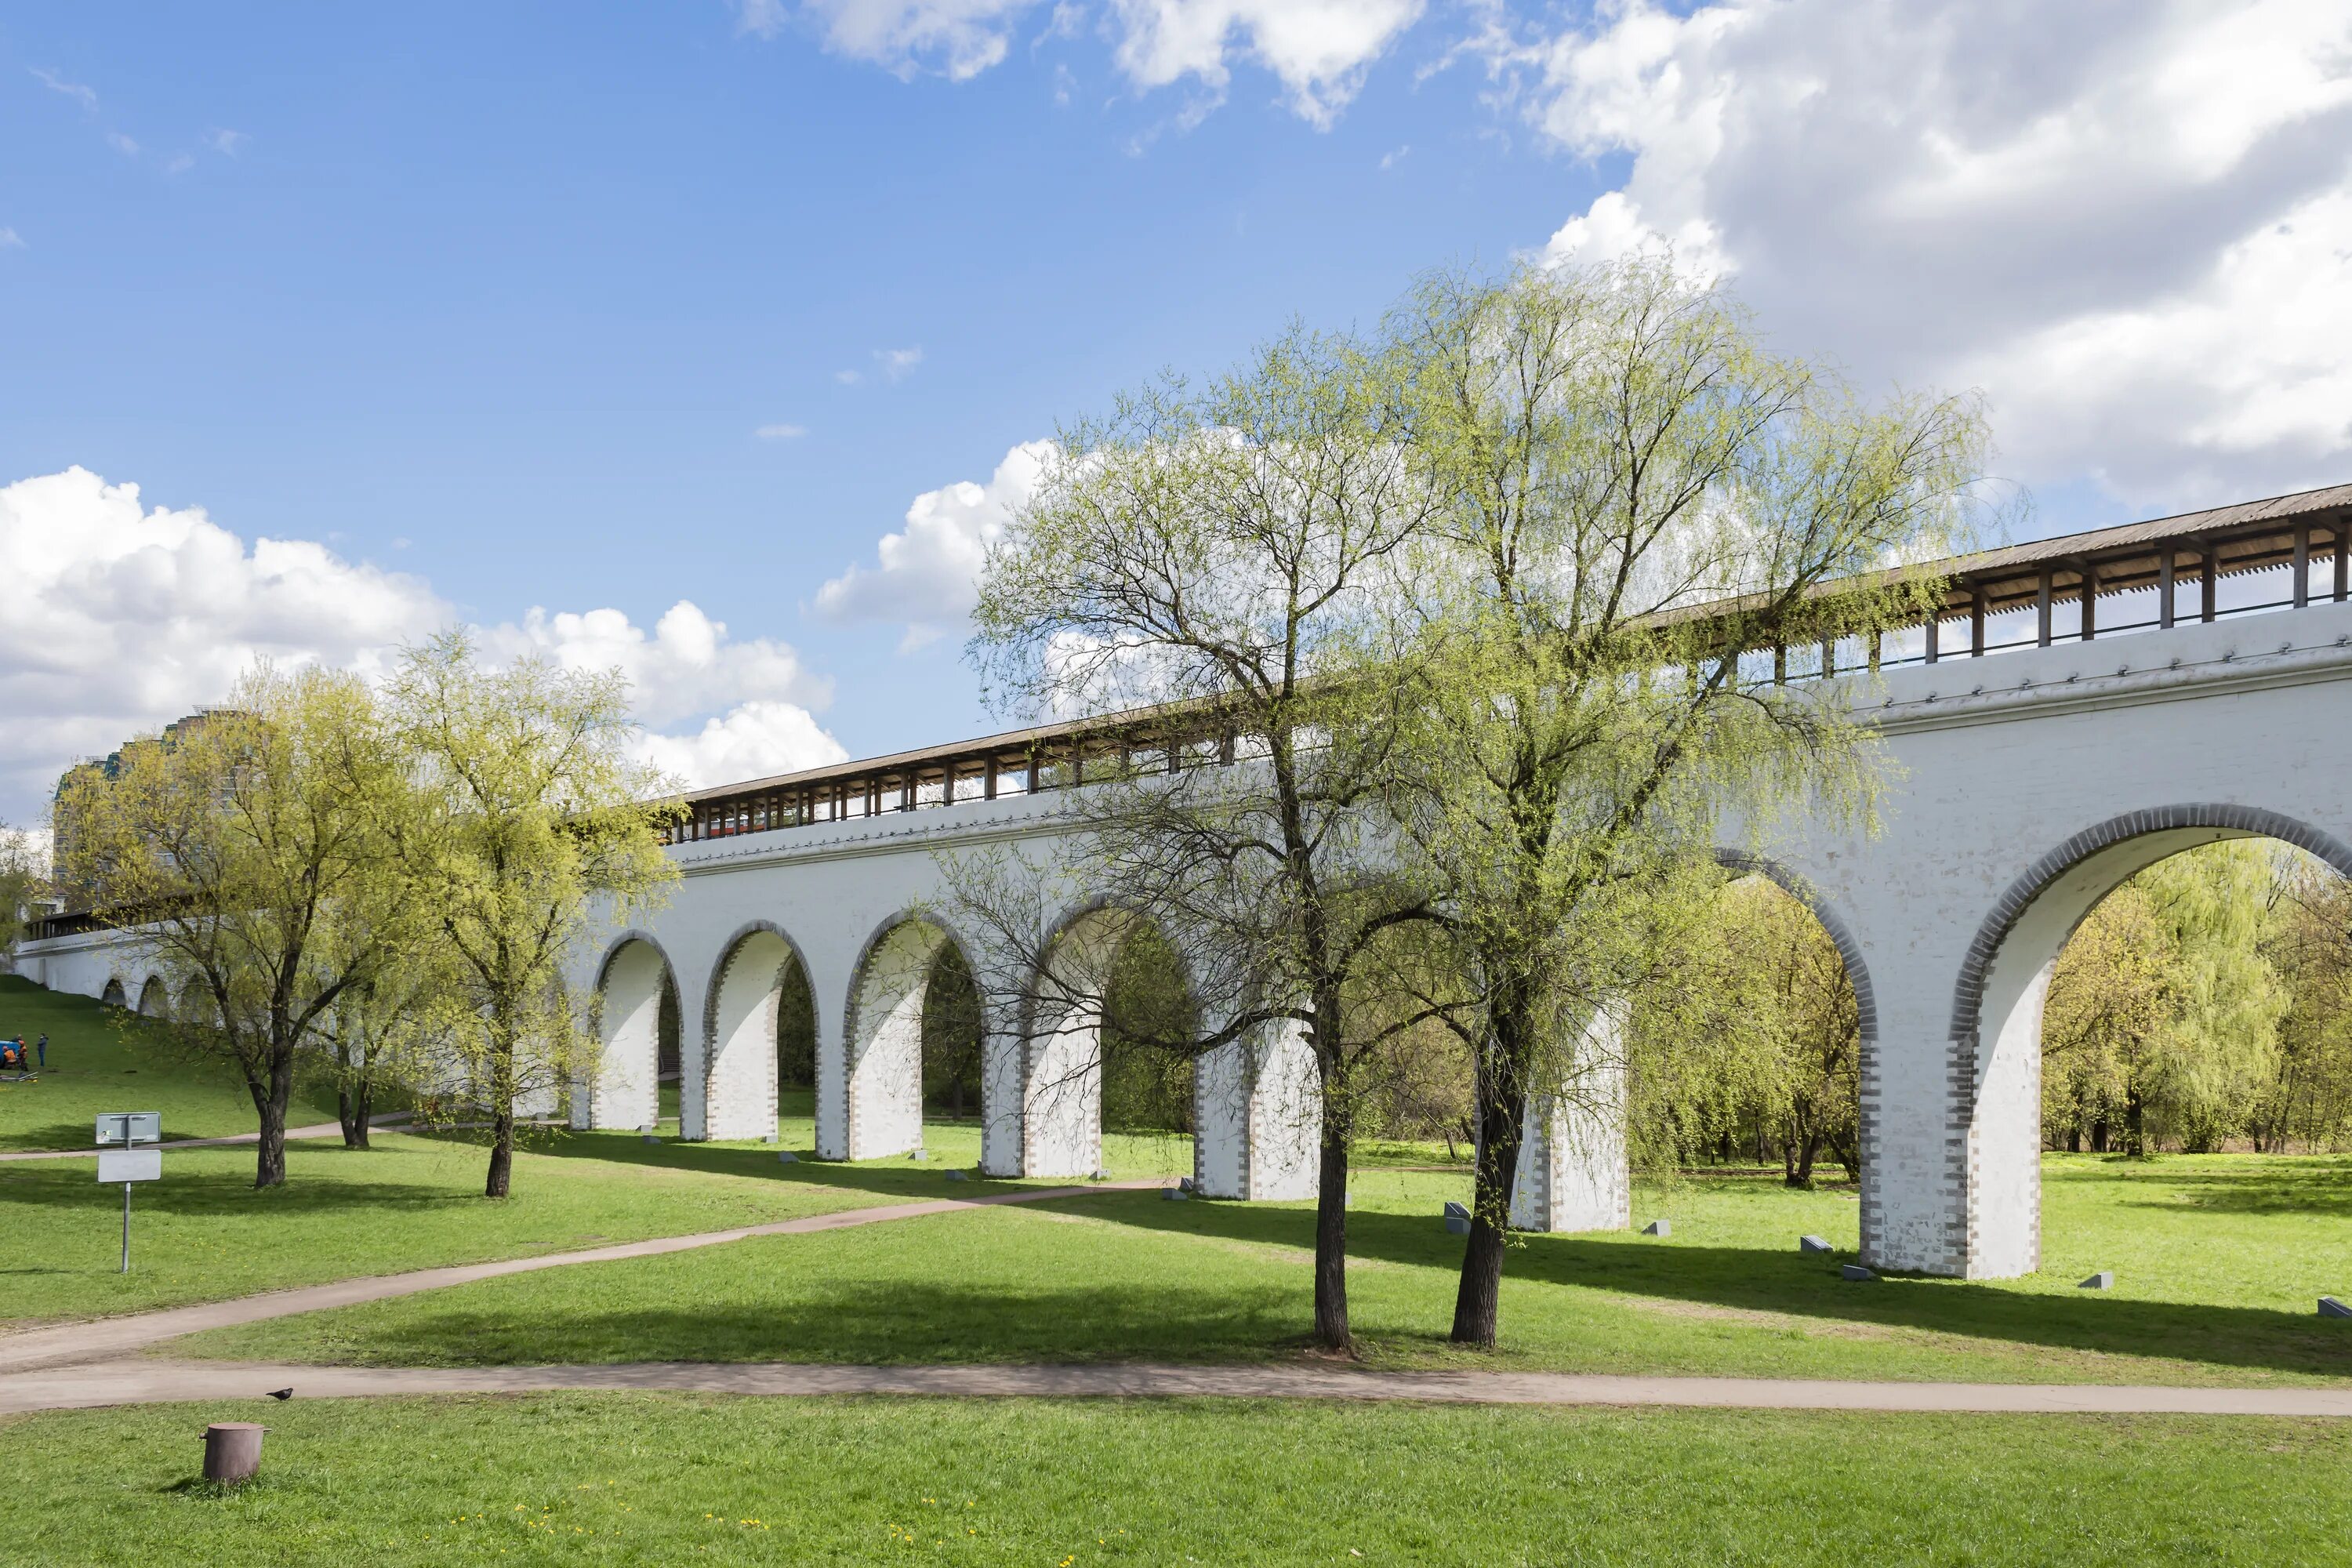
(626, 1090)
(154, 998)
(1997, 1002)
(877, 1077)
(113, 996)
(738, 1096)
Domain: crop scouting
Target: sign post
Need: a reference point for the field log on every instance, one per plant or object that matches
(125, 1162)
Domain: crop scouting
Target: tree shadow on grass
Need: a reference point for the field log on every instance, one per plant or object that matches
(1768, 1280)
(852, 1322)
(907, 1180)
(2282, 1184)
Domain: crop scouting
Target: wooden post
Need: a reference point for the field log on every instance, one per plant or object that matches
(2208, 581)
(1780, 664)
(1876, 637)
(988, 779)
(2164, 595)
(2301, 564)
(1935, 626)
(2041, 609)
(1976, 620)
(2090, 600)
(1829, 658)
(2341, 582)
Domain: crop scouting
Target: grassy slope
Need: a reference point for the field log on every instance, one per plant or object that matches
(2217, 1291)
(103, 1060)
(203, 1233)
(639, 1479)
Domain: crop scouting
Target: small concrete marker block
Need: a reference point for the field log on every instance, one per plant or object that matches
(1175, 1195)
(1854, 1272)
(1458, 1218)
(958, 1176)
(2104, 1279)
(1659, 1227)
(1813, 1244)
(920, 1154)
(2329, 1306)
(786, 1157)
(1188, 1184)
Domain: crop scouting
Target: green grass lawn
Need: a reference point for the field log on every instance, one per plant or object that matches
(666, 1479)
(103, 1059)
(203, 1233)
(2219, 1262)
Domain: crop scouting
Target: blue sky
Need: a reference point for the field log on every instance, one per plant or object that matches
(498, 299)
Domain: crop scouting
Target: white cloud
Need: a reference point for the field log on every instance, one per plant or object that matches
(123, 144)
(957, 39)
(927, 574)
(86, 97)
(898, 363)
(2131, 225)
(1318, 49)
(11, 240)
(123, 618)
(755, 740)
(179, 164)
(228, 143)
(780, 432)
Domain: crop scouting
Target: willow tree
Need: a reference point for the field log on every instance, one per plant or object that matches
(1610, 450)
(254, 850)
(1224, 554)
(542, 830)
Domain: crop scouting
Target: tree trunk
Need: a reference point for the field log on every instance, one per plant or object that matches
(354, 1101)
(1809, 1149)
(1478, 1303)
(2134, 1126)
(1331, 1238)
(502, 1121)
(2099, 1136)
(501, 1151)
(269, 1101)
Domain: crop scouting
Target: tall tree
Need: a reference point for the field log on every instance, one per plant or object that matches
(1750, 1037)
(2162, 1017)
(1611, 448)
(253, 849)
(543, 828)
(1224, 552)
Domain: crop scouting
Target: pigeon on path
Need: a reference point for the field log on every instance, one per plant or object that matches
(281, 1394)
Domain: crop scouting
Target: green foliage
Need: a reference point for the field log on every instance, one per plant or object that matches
(259, 852)
(1605, 451)
(1748, 1042)
(2309, 944)
(537, 829)
(2161, 1023)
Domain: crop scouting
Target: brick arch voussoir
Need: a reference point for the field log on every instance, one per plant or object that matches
(2251, 821)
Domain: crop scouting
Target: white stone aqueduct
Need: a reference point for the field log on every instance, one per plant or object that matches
(2027, 786)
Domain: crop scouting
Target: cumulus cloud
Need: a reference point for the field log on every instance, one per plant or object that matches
(926, 574)
(123, 618)
(1318, 49)
(2131, 225)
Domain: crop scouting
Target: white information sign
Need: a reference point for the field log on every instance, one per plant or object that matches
(130, 1164)
(124, 1127)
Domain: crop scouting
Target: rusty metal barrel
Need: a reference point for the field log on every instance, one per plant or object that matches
(232, 1450)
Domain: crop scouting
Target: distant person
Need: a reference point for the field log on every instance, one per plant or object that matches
(41, 1049)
